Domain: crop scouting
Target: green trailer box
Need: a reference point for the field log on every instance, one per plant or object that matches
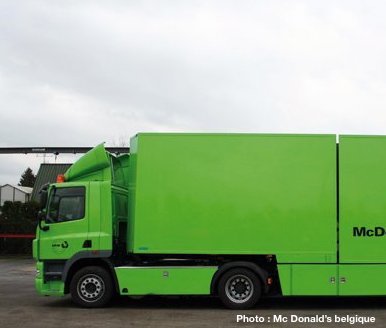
(234, 194)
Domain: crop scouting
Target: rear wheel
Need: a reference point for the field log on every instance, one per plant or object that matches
(239, 288)
(92, 286)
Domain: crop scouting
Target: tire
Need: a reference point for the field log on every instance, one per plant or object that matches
(239, 288)
(92, 287)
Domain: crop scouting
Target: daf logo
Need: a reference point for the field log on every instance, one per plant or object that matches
(63, 244)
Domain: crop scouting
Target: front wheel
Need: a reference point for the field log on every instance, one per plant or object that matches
(92, 287)
(239, 288)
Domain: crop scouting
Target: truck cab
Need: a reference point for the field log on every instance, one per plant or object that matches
(83, 221)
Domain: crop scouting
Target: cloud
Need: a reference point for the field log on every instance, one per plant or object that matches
(83, 72)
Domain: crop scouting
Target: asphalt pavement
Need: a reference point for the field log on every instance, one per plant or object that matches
(20, 306)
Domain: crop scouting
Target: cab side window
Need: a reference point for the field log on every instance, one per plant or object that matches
(66, 204)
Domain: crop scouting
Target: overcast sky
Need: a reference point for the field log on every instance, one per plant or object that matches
(77, 73)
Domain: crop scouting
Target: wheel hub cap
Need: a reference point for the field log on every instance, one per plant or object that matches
(239, 288)
(90, 288)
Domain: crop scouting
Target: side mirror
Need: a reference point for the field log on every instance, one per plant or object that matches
(43, 199)
(41, 217)
(43, 193)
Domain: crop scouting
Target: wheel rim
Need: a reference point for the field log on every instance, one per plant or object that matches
(239, 288)
(90, 288)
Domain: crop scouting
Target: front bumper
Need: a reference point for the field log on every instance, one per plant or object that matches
(47, 288)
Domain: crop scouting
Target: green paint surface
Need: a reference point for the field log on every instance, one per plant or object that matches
(332, 279)
(362, 191)
(360, 279)
(310, 279)
(234, 194)
(90, 166)
(165, 280)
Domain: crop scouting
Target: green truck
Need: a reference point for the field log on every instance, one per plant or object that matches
(238, 216)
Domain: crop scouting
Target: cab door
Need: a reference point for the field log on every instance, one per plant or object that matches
(65, 229)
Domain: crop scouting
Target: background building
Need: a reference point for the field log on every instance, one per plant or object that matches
(14, 194)
(47, 174)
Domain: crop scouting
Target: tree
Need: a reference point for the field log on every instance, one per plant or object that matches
(122, 141)
(17, 218)
(27, 178)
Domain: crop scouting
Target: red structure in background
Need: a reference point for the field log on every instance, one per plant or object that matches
(10, 235)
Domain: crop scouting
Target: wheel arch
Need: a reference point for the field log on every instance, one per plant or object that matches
(84, 262)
